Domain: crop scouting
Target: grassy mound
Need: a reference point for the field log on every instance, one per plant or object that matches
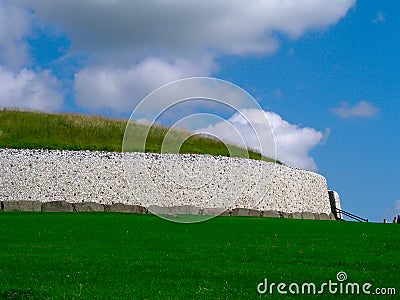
(127, 256)
(39, 130)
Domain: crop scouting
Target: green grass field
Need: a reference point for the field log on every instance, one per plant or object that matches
(36, 130)
(127, 256)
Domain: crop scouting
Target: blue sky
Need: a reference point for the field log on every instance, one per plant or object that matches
(327, 73)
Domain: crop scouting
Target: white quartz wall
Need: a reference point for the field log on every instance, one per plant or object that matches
(153, 179)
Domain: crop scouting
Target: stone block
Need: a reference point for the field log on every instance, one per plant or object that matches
(226, 213)
(88, 207)
(332, 216)
(138, 209)
(285, 215)
(254, 213)
(240, 212)
(159, 210)
(323, 216)
(1, 205)
(125, 208)
(184, 210)
(306, 215)
(297, 215)
(271, 214)
(170, 216)
(22, 205)
(213, 211)
(57, 206)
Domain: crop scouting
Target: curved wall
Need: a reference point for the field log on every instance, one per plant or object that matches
(154, 179)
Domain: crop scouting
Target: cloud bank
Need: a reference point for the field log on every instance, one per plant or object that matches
(293, 143)
(363, 109)
(29, 89)
(14, 26)
(185, 27)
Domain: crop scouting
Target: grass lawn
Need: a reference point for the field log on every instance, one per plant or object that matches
(128, 256)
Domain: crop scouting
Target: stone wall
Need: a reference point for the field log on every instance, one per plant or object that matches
(164, 180)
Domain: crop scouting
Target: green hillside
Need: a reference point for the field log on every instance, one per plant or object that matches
(36, 130)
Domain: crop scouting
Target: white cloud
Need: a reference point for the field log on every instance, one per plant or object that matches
(19, 86)
(363, 109)
(293, 143)
(121, 88)
(29, 89)
(380, 17)
(14, 25)
(182, 27)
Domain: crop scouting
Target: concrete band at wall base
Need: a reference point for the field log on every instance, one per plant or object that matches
(138, 181)
(60, 206)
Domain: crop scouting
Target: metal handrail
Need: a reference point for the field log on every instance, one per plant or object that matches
(350, 215)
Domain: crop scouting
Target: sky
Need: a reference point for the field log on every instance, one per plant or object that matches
(325, 73)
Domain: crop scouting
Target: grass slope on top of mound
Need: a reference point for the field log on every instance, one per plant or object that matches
(39, 130)
(128, 256)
